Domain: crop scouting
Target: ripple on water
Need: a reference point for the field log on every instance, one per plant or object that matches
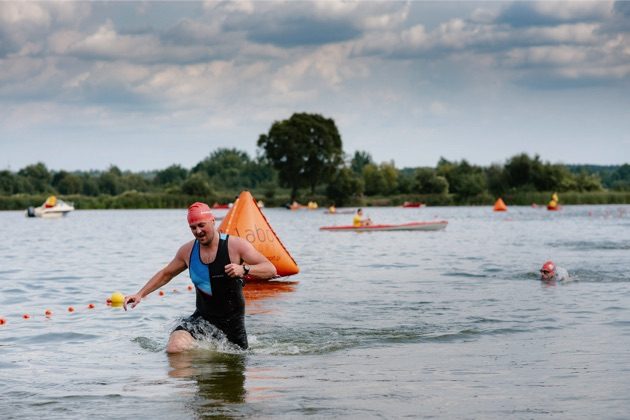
(328, 340)
(463, 274)
(594, 245)
(148, 344)
(56, 337)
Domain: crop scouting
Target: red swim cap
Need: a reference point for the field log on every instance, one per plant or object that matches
(549, 266)
(199, 212)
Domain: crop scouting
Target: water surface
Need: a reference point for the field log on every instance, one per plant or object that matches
(450, 324)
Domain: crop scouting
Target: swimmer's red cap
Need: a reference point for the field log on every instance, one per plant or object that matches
(549, 266)
(199, 212)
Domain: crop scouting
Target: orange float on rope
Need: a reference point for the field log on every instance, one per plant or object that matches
(48, 313)
(499, 205)
(246, 220)
(2, 321)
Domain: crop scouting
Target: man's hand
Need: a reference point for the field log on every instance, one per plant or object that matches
(134, 300)
(234, 270)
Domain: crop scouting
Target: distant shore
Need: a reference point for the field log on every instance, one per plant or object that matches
(140, 200)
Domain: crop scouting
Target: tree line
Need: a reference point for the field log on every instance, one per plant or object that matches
(303, 156)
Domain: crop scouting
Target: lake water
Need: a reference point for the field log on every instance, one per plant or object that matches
(449, 324)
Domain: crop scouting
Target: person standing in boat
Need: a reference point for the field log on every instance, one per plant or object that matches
(358, 220)
(217, 263)
(550, 272)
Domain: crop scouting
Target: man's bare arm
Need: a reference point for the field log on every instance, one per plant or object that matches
(159, 279)
(259, 266)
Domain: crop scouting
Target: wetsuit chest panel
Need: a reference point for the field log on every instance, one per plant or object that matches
(199, 272)
(225, 299)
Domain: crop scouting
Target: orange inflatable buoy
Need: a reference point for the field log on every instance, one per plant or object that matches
(246, 220)
(499, 205)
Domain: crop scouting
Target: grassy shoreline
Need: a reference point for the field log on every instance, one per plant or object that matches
(138, 200)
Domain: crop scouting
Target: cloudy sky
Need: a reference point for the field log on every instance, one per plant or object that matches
(143, 85)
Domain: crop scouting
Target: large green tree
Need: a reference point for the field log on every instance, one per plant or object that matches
(428, 182)
(359, 160)
(173, 175)
(464, 180)
(306, 150)
(380, 179)
(346, 185)
(234, 169)
(37, 176)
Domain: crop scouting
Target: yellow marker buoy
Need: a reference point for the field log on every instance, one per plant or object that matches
(117, 299)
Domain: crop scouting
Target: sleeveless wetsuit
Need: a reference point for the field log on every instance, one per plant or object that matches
(220, 299)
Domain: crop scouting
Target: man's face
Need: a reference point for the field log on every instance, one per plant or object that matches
(546, 275)
(203, 231)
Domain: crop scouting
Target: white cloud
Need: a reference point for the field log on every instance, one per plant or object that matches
(106, 43)
(241, 6)
(24, 14)
(571, 10)
(546, 55)
(579, 33)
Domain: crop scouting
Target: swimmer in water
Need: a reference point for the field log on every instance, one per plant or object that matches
(551, 272)
(217, 263)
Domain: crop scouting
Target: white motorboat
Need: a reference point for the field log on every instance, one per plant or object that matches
(52, 208)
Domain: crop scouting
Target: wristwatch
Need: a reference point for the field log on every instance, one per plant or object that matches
(245, 269)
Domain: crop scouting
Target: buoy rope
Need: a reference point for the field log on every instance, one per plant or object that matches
(49, 313)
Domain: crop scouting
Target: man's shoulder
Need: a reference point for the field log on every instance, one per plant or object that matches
(236, 242)
(562, 274)
(186, 248)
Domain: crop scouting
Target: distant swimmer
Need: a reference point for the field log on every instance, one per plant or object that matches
(551, 272)
(358, 219)
(217, 263)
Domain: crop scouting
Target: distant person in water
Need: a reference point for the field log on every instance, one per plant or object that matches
(551, 272)
(358, 220)
(217, 263)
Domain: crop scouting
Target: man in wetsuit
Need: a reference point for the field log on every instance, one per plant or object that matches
(217, 263)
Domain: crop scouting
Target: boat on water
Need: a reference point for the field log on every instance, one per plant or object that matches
(52, 208)
(413, 204)
(426, 226)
